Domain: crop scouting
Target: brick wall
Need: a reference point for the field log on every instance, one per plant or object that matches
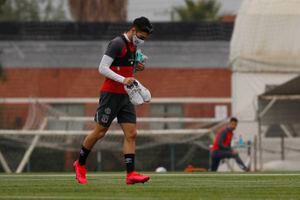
(76, 82)
(162, 82)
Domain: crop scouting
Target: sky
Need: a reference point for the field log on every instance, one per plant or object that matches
(161, 10)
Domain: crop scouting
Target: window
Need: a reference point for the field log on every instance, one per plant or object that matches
(166, 110)
(68, 110)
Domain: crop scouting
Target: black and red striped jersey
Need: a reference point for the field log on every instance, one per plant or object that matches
(123, 53)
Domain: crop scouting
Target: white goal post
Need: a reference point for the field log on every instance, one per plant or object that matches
(36, 130)
(95, 100)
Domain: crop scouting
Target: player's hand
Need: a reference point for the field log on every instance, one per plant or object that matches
(128, 81)
(140, 67)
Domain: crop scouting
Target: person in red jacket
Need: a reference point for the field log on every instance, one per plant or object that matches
(222, 147)
(118, 66)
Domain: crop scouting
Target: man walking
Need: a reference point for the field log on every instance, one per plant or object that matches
(117, 65)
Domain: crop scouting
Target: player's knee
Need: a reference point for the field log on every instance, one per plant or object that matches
(131, 135)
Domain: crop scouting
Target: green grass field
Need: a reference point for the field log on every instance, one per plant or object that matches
(181, 186)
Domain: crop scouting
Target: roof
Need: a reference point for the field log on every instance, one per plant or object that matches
(81, 54)
(291, 87)
(281, 105)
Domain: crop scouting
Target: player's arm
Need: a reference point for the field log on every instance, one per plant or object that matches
(114, 49)
(221, 140)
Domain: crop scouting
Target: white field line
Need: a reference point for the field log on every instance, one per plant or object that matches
(151, 174)
(233, 174)
(70, 197)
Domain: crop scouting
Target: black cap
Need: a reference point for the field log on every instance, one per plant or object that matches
(143, 24)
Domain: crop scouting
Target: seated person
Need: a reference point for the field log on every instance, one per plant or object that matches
(221, 148)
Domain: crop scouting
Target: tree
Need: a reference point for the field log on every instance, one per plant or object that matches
(52, 13)
(99, 10)
(30, 10)
(201, 10)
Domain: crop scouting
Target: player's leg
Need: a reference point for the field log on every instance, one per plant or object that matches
(130, 134)
(240, 162)
(105, 114)
(215, 161)
(236, 157)
(127, 120)
(88, 143)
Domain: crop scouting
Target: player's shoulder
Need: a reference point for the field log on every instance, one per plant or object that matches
(117, 42)
(224, 130)
(115, 47)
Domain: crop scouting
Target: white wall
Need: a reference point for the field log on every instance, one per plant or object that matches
(245, 89)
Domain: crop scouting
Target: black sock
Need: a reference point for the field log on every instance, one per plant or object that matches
(129, 161)
(83, 155)
(240, 163)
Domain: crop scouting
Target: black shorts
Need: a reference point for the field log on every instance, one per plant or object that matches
(220, 154)
(112, 105)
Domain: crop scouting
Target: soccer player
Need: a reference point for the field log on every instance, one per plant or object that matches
(221, 148)
(118, 66)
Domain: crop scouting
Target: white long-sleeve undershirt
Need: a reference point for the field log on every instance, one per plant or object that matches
(104, 69)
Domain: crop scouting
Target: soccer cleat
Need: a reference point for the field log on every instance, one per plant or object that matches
(133, 93)
(144, 92)
(80, 172)
(247, 169)
(134, 177)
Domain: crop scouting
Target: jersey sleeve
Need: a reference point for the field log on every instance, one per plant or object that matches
(114, 47)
